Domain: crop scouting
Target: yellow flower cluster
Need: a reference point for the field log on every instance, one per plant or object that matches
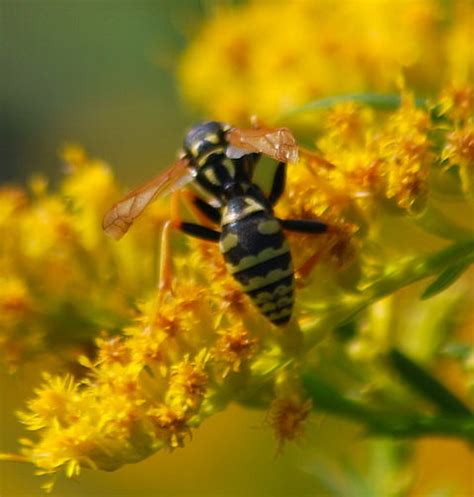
(265, 61)
(89, 280)
(148, 388)
(186, 351)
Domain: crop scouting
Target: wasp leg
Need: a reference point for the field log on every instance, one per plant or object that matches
(278, 185)
(305, 269)
(191, 229)
(304, 226)
(311, 227)
(203, 211)
(165, 258)
(198, 231)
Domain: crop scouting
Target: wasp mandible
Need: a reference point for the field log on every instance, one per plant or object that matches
(221, 160)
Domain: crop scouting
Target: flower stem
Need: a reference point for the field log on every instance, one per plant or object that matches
(419, 268)
(427, 385)
(378, 422)
(379, 101)
(396, 277)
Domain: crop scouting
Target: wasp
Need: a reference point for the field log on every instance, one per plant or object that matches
(220, 160)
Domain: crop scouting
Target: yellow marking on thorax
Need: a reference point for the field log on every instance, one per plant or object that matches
(195, 149)
(230, 168)
(212, 138)
(250, 207)
(203, 158)
(228, 242)
(211, 176)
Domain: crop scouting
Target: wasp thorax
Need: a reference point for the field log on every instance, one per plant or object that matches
(205, 139)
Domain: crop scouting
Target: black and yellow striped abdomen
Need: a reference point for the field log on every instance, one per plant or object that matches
(258, 257)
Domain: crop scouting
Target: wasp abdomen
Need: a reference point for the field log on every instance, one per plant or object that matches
(257, 255)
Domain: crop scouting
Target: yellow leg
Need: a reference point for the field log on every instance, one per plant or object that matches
(305, 269)
(164, 283)
(174, 210)
(165, 280)
(188, 197)
(201, 231)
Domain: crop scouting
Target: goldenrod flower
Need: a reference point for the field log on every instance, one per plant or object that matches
(59, 235)
(167, 359)
(457, 102)
(287, 417)
(234, 348)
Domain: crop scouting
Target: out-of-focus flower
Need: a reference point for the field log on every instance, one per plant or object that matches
(459, 151)
(298, 51)
(57, 266)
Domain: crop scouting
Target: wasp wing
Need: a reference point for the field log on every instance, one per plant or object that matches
(120, 217)
(277, 143)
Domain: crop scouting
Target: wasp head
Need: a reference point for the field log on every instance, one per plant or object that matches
(204, 140)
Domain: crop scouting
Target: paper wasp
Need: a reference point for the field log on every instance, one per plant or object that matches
(221, 160)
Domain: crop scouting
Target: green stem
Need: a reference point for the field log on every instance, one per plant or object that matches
(379, 101)
(427, 385)
(378, 422)
(398, 276)
(434, 221)
(418, 269)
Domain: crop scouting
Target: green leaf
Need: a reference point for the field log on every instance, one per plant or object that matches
(449, 276)
(346, 330)
(457, 350)
(379, 101)
(327, 398)
(381, 422)
(426, 385)
(434, 221)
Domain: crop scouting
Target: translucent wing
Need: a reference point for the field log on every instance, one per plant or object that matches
(121, 216)
(277, 143)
